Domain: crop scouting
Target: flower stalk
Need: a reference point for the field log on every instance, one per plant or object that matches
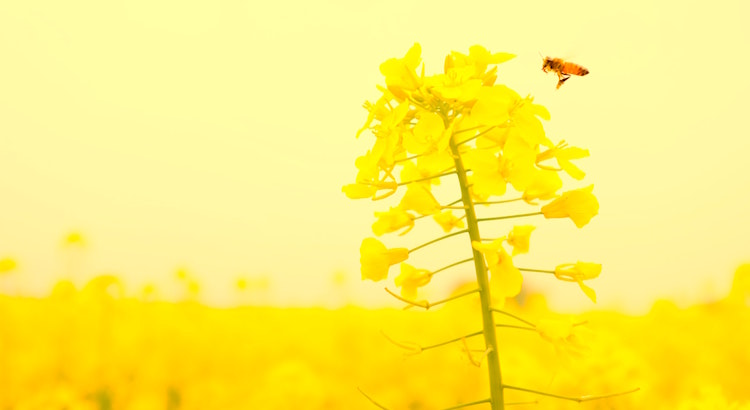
(497, 399)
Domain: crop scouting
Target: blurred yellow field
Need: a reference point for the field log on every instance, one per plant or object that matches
(92, 349)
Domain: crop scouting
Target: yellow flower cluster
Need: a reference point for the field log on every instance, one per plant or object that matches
(461, 122)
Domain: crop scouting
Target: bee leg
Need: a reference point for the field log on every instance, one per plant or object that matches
(563, 79)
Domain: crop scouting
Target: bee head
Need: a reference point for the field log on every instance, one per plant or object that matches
(546, 63)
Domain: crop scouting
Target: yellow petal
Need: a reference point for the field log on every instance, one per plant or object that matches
(493, 105)
(419, 199)
(580, 205)
(359, 191)
(588, 291)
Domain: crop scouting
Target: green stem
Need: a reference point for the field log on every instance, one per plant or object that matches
(497, 399)
(438, 239)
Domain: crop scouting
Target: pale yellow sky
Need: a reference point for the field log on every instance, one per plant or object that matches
(217, 135)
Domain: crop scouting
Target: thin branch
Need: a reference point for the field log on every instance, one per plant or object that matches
(474, 403)
(372, 401)
(469, 355)
(468, 129)
(414, 348)
(425, 178)
(563, 277)
(513, 316)
(407, 158)
(476, 136)
(505, 201)
(423, 304)
(451, 265)
(579, 399)
(536, 270)
(447, 342)
(458, 339)
(450, 168)
(516, 327)
(454, 202)
(460, 295)
(496, 218)
(438, 239)
(427, 305)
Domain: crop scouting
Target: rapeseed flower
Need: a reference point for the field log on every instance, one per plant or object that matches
(486, 178)
(519, 238)
(580, 205)
(419, 199)
(410, 279)
(543, 185)
(428, 135)
(579, 272)
(564, 154)
(399, 74)
(396, 218)
(448, 221)
(376, 259)
(506, 279)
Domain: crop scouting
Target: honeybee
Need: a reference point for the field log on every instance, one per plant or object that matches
(563, 69)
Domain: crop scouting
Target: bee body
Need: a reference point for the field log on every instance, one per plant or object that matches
(563, 69)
